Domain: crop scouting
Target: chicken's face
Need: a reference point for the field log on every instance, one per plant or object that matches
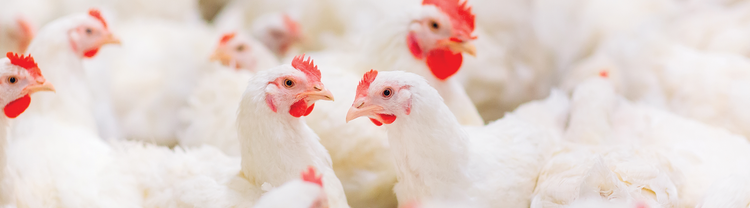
(90, 35)
(17, 35)
(380, 100)
(440, 35)
(297, 88)
(19, 78)
(278, 32)
(235, 51)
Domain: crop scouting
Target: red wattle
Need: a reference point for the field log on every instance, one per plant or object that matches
(309, 109)
(16, 107)
(376, 122)
(387, 118)
(91, 53)
(443, 63)
(298, 109)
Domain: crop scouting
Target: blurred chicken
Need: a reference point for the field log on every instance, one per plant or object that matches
(20, 77)
(325, 24)
(438, 158)
(15, 34)
(700, 154)
(150, 78)
(211, 109)
(707, 86)
(279, 32)
(616, 174)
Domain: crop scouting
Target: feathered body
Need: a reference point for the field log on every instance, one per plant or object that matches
(436, 157)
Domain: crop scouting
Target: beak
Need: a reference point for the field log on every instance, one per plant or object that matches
(456, 45)
(111, 39)
(361, 110)
(44, 86)
(317, 93)
(220, 56)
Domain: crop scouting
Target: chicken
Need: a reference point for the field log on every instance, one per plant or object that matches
(21, 77)
(15, 34)
(702, 85)
(56, 157)
(677, 149)
(278, 31)
(305, 193)
(274, 141)
(67, 40)
(511, 66)
(151, 77)
(210, 113)
(429, 42)
(436, 157)
(617, 174)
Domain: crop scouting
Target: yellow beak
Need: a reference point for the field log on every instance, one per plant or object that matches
(317, 93)
(466, 47)
(112, 39)
(46, 86)
(359, 111)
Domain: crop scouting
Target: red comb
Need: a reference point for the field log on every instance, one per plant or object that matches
(98, 15)
(311, 176)
(227, 37)
(460, 14)
(604, 73)
(364, 85)
(26, 62)
(308, 67)
(292, 25)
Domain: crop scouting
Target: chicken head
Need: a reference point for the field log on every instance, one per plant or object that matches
(382, 101)
(235, 51)
(90, 34)
(440, 34)
(19, 77)
(277, 31)
(297, 88)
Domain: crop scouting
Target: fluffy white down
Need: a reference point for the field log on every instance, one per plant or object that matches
(293, 194)
(693, 152)
(153, 73)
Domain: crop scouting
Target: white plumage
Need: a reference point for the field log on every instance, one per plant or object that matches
(645, 103)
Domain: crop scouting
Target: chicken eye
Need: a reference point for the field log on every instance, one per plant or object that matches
(388, 92)
(12, 80)
(240, 48)
(89, 31)
(434, 26)
(288, 83)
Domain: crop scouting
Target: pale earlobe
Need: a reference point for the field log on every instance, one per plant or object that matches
(269, 102)
(271, 89)
(404, 98)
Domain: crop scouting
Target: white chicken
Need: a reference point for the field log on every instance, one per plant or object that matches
(55, 153)
(153, 74)
(707, 86)
(438, 158)
(20, 77)
(275, 142)
(211, 111)
(15, 34)
(677, 149)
